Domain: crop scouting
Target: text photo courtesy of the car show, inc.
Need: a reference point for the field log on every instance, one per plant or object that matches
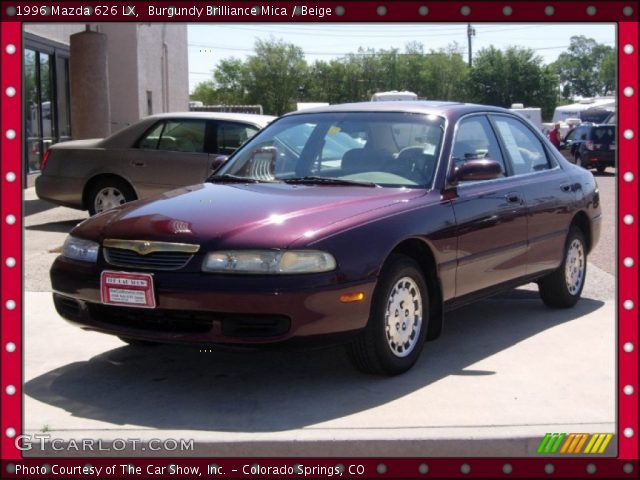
(361, 247)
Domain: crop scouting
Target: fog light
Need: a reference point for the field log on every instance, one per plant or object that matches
(352, 297)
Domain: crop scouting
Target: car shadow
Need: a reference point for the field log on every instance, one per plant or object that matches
(61, 227)
(172, 387)
(603, 174)
(31, 207)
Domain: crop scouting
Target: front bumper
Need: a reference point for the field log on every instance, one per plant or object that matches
(206, 309)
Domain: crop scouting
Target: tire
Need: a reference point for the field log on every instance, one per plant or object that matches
(393, 340)
(601, 169)
(108, 193)
(562, 288)
(138, 343)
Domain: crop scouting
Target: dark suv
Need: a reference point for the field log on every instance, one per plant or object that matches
(591, 145)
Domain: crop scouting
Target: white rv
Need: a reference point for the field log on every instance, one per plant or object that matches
(533, 114)
(393, 95)
(561, 114)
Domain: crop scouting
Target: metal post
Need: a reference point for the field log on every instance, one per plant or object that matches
(471, 32)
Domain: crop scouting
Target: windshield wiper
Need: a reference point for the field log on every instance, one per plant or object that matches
(227, 178)
(314, 180)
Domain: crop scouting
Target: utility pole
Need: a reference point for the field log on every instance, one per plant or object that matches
(471, 32)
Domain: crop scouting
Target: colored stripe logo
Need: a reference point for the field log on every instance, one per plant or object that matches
(574, 443)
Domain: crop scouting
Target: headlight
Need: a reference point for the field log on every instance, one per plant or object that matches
(80, 249)
(269, 261)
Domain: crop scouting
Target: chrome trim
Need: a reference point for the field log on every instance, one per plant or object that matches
(145, 247)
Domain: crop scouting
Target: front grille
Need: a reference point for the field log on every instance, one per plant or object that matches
(176, 321)
(152, 261)
(180, 321)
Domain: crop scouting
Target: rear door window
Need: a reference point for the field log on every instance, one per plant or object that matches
(232, 135)
(175, 135)
(524, 148)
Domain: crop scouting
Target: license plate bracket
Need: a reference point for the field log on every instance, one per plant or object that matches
(127, 289)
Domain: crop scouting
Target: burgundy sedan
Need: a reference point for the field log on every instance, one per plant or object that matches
(361, 223)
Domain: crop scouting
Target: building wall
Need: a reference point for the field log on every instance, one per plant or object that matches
(122, 57)
(163, 68)
(58, 32)
(141, 58)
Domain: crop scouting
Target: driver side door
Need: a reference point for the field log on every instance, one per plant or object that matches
(490, 214)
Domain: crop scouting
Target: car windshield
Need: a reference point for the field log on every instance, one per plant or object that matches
(386, 149)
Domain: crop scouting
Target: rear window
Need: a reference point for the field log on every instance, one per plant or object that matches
(603, 134)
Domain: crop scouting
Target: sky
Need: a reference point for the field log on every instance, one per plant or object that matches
(210, 43)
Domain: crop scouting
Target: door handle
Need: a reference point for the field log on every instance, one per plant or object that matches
(513, 197)
(137, 164)
(565, 187)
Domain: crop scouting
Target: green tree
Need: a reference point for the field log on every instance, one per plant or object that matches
(445, 75)
(274, 75)
(608, 73)
(231, 79)
(516, 75)
(587, 68)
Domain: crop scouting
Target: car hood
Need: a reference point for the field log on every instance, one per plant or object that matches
(245, 216)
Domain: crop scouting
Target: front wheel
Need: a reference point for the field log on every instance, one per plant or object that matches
(395, 334)
(562, 288)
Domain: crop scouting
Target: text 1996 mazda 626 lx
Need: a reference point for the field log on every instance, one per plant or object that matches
(360, 222)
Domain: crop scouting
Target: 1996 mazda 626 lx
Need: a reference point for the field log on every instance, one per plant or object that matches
(360, 222)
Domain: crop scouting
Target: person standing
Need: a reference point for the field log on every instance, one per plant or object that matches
(554, 135)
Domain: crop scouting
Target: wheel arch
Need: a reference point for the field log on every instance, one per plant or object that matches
(583, 223)
(98, 178)
(421, 253)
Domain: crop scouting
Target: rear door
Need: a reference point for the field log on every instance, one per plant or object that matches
(490, 214)
(170, 154)
(546, 189)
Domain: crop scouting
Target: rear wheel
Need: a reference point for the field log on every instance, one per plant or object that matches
(601, 169)
(562, 288)
(108, 193)
(395, 334)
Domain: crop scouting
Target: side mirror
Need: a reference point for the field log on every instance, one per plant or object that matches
(481, 169)
(218, 161)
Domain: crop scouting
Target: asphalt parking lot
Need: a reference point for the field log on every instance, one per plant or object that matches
(505, 372)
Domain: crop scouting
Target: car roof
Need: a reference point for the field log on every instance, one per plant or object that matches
(125, 137)
(440, 108)
(592, 126)
(230, 116)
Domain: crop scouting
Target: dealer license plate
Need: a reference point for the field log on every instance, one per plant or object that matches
(127, 289)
